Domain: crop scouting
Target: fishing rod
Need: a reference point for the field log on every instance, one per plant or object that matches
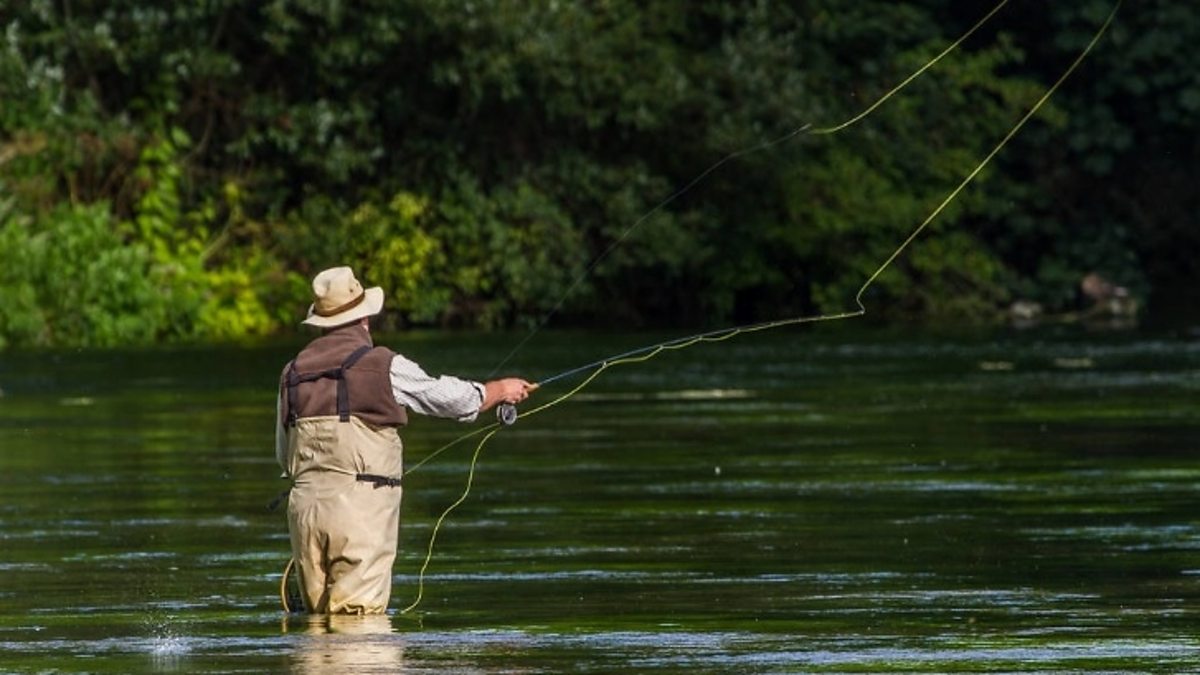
(508, 415)
(718, 335)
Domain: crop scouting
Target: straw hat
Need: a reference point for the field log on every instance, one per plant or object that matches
(338, 298)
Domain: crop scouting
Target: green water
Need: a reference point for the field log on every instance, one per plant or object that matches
(798, 501)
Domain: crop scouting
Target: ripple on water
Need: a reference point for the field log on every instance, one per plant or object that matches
(562, 575)
(244, 556)
(121, 557)
(668, 395)
(48, 534)
(1128, 537)
(24, 567)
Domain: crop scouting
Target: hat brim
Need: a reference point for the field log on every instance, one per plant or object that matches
(371, 305)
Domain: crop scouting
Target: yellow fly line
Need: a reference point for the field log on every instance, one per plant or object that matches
(641, 355)
(648, 353)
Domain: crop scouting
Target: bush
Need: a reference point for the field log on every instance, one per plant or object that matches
(72, 280)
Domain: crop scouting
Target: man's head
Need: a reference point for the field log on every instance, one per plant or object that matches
(339, 299)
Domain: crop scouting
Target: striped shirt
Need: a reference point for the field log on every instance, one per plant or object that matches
(444, 396)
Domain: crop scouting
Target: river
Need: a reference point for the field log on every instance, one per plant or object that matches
(805, 500)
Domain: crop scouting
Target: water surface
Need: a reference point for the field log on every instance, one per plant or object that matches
(799, 501)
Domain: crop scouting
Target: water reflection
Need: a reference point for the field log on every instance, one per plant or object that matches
(346, 644)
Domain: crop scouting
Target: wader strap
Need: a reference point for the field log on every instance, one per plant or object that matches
(379, 481)
(343, 394)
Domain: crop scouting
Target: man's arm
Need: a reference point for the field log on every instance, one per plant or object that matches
(448, 396)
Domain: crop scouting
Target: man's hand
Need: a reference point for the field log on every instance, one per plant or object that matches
(507, 390)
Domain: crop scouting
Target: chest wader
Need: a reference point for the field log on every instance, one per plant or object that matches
(344, 508)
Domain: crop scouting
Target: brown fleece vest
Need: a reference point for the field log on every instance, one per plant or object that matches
(310, 384)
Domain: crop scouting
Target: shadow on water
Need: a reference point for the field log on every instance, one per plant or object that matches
(823, 500)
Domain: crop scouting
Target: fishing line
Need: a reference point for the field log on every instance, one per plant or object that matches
(714, 335)
(648, 352)
(806, 129)
(283, 586)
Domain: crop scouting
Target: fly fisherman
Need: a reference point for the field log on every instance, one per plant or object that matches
(341, 403)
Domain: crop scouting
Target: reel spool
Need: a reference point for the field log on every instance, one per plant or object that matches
(506, 414)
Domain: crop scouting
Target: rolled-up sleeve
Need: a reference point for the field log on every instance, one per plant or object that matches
(444, 396)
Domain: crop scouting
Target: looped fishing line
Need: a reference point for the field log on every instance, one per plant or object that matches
(648, 352)
(766, 145)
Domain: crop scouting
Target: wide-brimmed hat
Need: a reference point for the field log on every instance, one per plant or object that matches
(338, 298)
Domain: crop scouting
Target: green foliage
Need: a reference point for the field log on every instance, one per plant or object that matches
(78, 276)
(493, 163)
(407, 257)
(71, 279)
(233, 305)
(512, 252)
(1113, 191)
(207, 302)
(852, 200)
(387, 242)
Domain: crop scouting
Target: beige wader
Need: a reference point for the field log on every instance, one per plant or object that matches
(344, 530)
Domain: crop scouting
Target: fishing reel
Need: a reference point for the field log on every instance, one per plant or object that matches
(506, 414)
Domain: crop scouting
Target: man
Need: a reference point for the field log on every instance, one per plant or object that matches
(341, 402)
